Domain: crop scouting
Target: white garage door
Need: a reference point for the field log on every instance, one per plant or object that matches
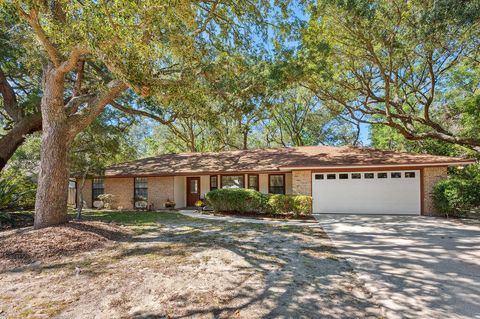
(392, 192)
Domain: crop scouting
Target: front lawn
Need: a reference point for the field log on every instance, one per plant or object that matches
(187, 267)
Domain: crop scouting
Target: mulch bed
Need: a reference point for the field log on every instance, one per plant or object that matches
(28, 245)
(262, 216)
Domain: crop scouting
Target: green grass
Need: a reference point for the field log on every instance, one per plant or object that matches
(133, 218)
(127, 217)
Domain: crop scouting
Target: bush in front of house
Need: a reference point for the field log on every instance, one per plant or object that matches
(459, 195)
(456, 196)
(236, 200)
(250, 201)
(285, 204)
(108, 200)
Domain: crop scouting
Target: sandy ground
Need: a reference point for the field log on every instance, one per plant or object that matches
(192, 268)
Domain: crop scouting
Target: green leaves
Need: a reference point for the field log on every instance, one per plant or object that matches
(395, 63)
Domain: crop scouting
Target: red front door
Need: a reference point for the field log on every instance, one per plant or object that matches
(193, 190)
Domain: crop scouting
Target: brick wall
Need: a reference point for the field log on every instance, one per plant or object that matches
(87, 192)
(431, 175)
(159, 190)
(288, 184)
(122, 189)
(302, 183)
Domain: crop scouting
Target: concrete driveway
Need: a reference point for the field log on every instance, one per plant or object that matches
(416, 267)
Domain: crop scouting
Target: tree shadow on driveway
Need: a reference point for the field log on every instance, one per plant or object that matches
(416, 266)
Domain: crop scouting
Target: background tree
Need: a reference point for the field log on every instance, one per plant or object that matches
(20, 77)
(296, 117)
(105, 142)
(397, 63)
(18, 180)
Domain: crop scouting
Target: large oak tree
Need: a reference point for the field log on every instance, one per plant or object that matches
(147, 47)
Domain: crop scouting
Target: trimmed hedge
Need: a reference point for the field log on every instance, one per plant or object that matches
(250, 201)
(284, 204)
(236, 200)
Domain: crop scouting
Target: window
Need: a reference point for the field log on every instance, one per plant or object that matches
(331, 176)
(342, 176)
(141, 189)
(368, 175)
(193, 186)
(396, 175)
(409, 174)
(356, 176)
(213, 182)
(233, 181)
(97, 188)
(382, 175)
(276, 184)
(253, 182)
(318, 176)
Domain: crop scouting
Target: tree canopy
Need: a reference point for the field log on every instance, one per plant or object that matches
(409, 65)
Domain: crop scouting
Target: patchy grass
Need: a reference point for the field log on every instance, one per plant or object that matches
(187, 267)
(128, 218)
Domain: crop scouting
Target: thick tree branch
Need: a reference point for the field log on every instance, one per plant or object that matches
(10, 103)
(15, 137)
(72, 61)
(72, 105)
(77, 87)
(131, 111)
(32, 19)
(80, 120)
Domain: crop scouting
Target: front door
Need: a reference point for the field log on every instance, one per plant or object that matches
(193, 190)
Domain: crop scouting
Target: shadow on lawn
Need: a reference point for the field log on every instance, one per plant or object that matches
(283, 272)
(301, 277)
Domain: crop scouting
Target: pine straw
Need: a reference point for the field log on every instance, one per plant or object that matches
(28, 246)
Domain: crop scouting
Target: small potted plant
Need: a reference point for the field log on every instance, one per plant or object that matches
(199, 205)
(169, 203)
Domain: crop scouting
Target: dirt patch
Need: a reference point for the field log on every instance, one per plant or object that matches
(194, 268)
(28, 245)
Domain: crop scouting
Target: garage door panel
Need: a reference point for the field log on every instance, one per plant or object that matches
(367, 196)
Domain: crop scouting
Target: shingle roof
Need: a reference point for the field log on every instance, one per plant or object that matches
(273, 159)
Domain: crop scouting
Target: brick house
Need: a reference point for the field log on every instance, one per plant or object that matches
(339, 179)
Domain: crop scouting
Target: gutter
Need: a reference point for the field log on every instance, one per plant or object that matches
(457, 163)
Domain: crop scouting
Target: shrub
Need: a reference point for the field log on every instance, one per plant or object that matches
(457, 195)
(248, 200)
(302, 204)
(17, 191)
(284, 204)
(236, 200)
(107, 199)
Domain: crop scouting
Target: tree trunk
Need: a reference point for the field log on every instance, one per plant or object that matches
(245, 138)
(16, 136)
(52, 192)
(82, 186)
